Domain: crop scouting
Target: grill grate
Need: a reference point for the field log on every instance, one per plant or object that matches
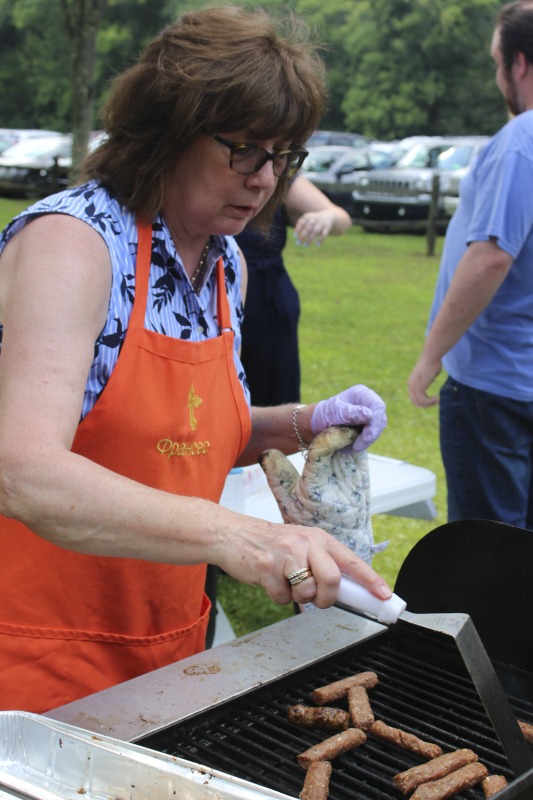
(423, 689)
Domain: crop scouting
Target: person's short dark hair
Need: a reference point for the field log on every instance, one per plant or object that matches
(515, 25)
(218, 69)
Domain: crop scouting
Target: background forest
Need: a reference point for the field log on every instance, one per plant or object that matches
(396, 67)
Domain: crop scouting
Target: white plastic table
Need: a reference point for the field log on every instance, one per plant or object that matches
(396, 487)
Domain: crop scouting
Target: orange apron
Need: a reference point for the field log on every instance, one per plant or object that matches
(172, 416)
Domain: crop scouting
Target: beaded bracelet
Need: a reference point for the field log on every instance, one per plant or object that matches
(302, 446)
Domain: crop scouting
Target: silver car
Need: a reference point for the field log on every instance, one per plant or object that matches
(322, 158)
(400, 198)
(335, 174)
(35, 167)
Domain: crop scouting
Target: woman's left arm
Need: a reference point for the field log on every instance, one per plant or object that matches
(312, 214)
(273, 428)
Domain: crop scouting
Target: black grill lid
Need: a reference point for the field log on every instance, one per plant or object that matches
(483, 569)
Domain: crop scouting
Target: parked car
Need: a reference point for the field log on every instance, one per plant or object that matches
(400, 197)
(10, 136)
(15, 135)
(5, 143)
(34, 167)
(319, 138)
(451, 180)
(337, 179)
(398, 147)
(96, 138)
(449, 204)
(322, 158)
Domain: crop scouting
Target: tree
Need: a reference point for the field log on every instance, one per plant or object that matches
(407, 67)
(425, 68)
(82, 22)
(34, 66)
(57, 58)
(394, 68)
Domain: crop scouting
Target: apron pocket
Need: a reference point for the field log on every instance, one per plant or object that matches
(43, 668)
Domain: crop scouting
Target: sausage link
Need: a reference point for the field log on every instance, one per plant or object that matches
(316, 783)
(332, 747)
(338, 689)
(493, 784)
(527, 730)
(406, 740)
(406, 782)
(455, 782)
(359, 707)
(329, 719)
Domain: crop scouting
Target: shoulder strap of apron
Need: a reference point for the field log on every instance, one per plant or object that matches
(143, 270)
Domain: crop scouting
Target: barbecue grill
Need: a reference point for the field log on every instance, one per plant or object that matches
(226, 708)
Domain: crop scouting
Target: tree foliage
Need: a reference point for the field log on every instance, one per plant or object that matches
(394, 68)
(45, 54)
(34, 66)
(424, 68)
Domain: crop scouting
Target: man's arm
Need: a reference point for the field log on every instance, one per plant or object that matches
(479, 275)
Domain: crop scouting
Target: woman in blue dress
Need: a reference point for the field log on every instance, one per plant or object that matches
(272, 309)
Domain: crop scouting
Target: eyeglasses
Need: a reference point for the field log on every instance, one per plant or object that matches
(249, 158)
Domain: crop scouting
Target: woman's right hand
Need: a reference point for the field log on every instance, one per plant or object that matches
(264, 553)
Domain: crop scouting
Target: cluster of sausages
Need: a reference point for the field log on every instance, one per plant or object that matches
(440, 777)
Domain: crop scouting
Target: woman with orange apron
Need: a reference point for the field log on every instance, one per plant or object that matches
(108, 521)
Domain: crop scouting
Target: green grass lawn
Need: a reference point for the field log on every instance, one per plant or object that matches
(365, 300)
(9, 208)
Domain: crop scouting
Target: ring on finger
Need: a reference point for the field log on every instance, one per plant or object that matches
(299, 575)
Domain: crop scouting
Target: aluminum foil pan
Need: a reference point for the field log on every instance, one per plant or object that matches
(43, 759)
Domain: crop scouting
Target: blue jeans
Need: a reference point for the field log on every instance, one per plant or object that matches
(487, 450)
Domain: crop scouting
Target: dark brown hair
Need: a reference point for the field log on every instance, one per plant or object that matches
(515, 25)
(218, 69)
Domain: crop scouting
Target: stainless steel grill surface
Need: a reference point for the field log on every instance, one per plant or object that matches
(423, 689)
(226, 708)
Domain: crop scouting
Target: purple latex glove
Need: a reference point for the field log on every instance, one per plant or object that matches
(357, 405)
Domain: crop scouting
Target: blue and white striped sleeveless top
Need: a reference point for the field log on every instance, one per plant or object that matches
(173, 308)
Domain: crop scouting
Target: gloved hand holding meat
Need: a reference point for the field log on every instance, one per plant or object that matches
(333, 491)
(357, 405)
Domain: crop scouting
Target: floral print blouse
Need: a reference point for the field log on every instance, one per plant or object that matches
(173, 308)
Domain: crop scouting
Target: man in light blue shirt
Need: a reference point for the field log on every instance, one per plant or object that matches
(481, 322)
